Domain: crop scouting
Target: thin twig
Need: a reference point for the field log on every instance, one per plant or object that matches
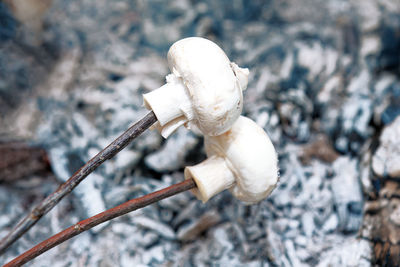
(49, 202)
(107, 215)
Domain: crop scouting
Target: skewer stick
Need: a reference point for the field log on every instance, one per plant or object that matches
(49, 202)
(107, 215)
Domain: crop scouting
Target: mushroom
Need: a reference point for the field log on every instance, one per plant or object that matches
(243, 159)
(203, 91)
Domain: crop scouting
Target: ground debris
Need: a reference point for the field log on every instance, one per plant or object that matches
(320, 149)
(381, 225)
(21, 160)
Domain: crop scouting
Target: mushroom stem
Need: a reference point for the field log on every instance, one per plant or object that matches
(171, 105)
(49, 202)
(211, 176)
(107, 215)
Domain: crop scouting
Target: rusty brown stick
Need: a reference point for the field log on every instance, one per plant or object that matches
(107, 215)
(49, 202)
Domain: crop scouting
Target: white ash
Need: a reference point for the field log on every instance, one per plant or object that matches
(171, 156)
(385, 161)
(312, 71)
(347, 194)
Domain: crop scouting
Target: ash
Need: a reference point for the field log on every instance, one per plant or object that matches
(324, 84)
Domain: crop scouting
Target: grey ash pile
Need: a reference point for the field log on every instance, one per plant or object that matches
(325, 85)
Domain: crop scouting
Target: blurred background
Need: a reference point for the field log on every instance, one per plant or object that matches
(324, 84)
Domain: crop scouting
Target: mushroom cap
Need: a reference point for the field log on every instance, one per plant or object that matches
(213, 83)
(250, 155)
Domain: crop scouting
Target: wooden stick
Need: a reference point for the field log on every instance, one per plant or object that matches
(107, 215)
(49, 202)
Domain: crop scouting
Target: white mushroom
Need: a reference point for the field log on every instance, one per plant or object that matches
(204, 89)
(243, 159)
